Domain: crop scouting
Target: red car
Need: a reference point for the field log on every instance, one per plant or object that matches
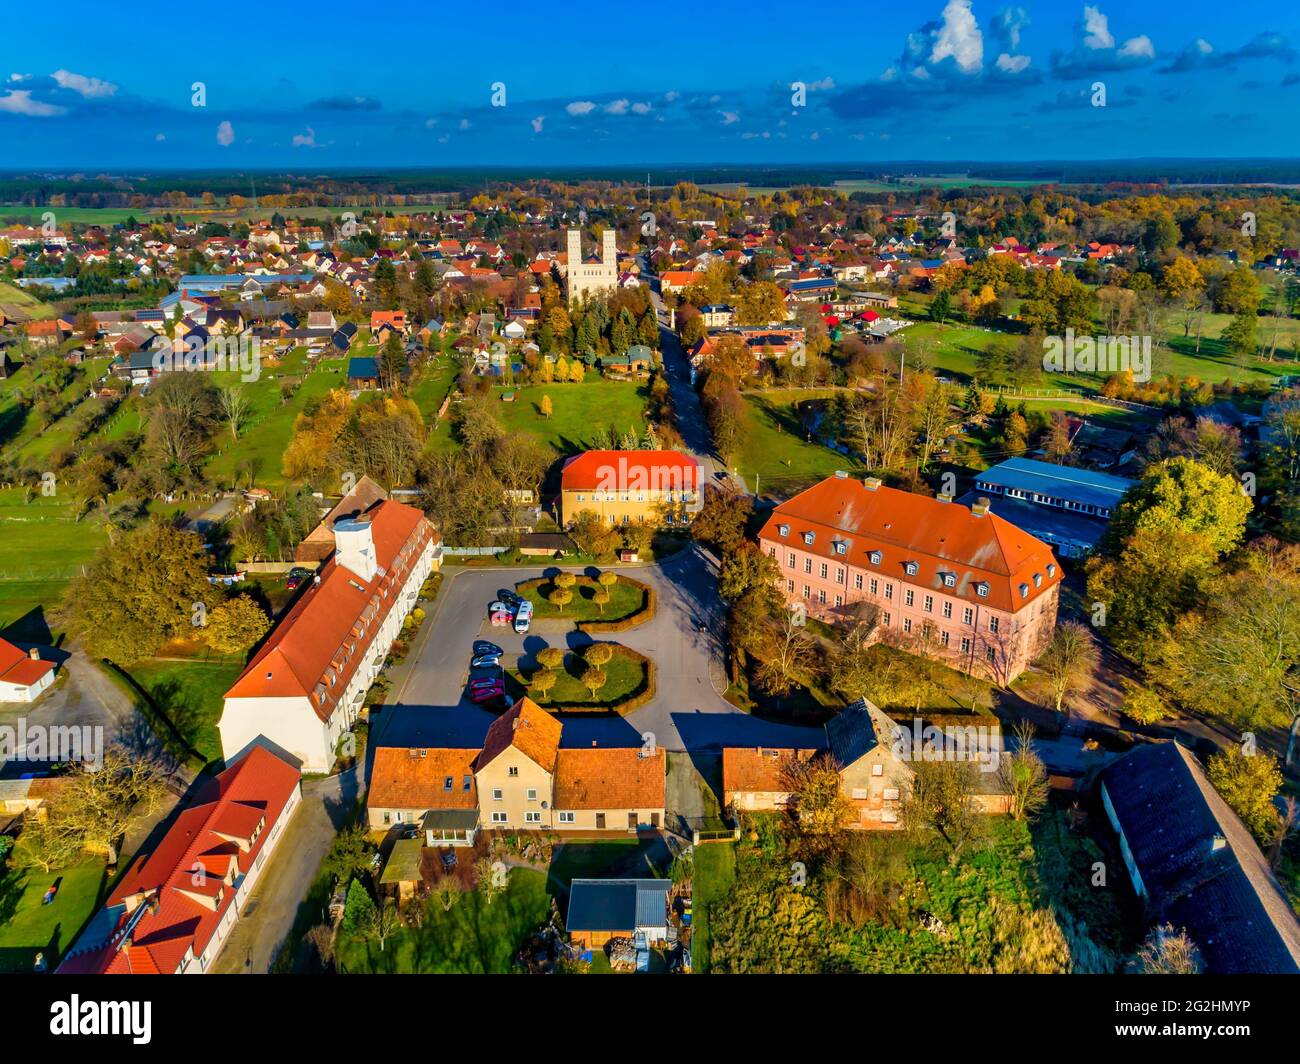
(487, 694)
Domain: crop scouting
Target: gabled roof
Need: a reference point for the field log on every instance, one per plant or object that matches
(759, 768)
(1201, 868)
(180, 892)
(615, 470)
(529, 729)
(604, 778)
(853, 733)
(939, 537)
(328, 630)
(416, 778)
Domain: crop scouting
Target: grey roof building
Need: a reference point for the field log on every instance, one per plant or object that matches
(1195, 865)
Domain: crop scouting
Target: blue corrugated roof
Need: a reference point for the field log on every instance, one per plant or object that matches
(1061, 482)
(363, 367)
(851, 733)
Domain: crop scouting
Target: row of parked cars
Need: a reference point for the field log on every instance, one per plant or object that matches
(508, 610)
(487, 679)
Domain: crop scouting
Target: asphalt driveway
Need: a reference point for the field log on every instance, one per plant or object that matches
(428, 705)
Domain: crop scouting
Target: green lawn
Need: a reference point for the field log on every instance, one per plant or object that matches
(41, 549)
(577, 411)
(269, 428)
(626, 674)
(190, 694)
(20, 298)
(775, 449)
(28, 927)
(472, 938)
(625, 598)
(628, 857)
(715, 872)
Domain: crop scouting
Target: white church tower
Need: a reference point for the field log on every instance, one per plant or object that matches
(589, 278)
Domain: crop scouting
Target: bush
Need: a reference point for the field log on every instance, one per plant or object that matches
(645, 613)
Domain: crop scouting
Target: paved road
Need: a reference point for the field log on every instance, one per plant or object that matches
(83, 696)
(269, 913)
(428, 706)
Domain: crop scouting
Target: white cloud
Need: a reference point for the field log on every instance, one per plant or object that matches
(225, 134)
(580, 107)
(671, 95)
(20, 102)
(641, 108)
(160, 137)
(1013, 64)
(959, 38)
(825, 83)
(728, 117)
(1096, 28)
(465, 123)
(305, 140)
(429, 123)
(87, 87)
(617, 107)
(537, 123)
(1139, 47)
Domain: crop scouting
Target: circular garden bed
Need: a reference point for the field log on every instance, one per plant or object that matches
(601, 678)
(591, 603)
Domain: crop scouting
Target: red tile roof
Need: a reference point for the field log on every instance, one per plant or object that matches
(212, 844)
(334, 622)
(416, 778)
(759, 769)
(19, 669)
(940, 537)
(637, 470)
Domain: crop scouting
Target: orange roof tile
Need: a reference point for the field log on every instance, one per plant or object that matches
(638, 470)
(940, 537)
(757, 769)
(416, 778)
(603, 778)
(528, 728)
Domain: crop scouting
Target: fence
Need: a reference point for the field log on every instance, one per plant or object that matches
(472, 552)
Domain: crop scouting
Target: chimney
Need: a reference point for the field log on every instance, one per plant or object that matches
(871, 483)
(944, 496)
(355, 546)
(980, 507)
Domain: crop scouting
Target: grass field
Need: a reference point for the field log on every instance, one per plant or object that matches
(472, 938)
(640, 858)
(775, 449)
(22, 300)
(41, 549)
(189, 694)
(578, 410)
(27, 927)
(715, 872)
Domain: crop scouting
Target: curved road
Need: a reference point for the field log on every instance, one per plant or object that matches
(427, 705)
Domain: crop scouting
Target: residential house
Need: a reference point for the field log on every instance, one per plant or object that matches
(955, 583)
(305, 687)
(173, 911)
(319, 542)
(520, 778)
(23, 676)
(629, 487)
(363, 372)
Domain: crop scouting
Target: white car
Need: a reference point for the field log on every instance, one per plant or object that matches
(523, 617)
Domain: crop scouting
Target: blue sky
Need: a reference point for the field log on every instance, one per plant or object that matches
(327, 84)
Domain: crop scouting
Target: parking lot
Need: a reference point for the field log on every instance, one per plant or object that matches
(429, 703)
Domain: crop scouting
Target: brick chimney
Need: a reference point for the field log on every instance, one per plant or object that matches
(980, 507)
(871, 483)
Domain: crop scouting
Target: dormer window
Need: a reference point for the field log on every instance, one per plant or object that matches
(875, 557)
(808, 538)
(1038, 580)
(448, 783)
(949, 579)
(1024, 590)
(982, 589)
(841, 547)
(783, 529)
(1051, 571)
(910, 568)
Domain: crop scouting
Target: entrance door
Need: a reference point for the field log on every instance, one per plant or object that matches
(631, 822)
(600, 821)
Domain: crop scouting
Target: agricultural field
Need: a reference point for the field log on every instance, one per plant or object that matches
(20, 299)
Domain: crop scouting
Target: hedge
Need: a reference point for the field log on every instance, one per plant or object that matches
(650, 605)
(619, 709)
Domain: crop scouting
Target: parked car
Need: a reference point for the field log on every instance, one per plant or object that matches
(296, 577)
(509, 598)
(524, 617)
(486, 661)
(500, 607)
(482, 647)
(501, 618)
(485, 683)
(486, 694)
